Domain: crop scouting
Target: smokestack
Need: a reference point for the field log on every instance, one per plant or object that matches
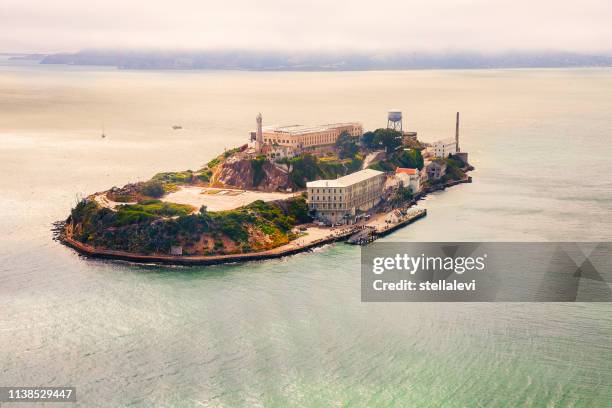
(457, 134)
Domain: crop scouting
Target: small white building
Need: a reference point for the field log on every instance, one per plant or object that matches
(410, 178)
(176, 250)
(274, 151)
(443, 148)
(435, 169)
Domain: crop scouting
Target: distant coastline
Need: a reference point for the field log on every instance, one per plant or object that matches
(305, 61)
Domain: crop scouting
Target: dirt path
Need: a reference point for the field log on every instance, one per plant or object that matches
(371, 157)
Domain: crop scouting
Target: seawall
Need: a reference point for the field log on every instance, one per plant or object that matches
(279, 252)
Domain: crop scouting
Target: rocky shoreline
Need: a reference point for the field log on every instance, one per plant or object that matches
(64, 235)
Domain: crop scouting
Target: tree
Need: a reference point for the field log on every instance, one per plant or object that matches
(367, 140)
(388, 138)
(346, 145)
(152, 188)
(412, 159)
(303, 168)
(402, 195)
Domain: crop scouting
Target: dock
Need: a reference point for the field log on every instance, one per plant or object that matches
(363, 236)
(393, 221)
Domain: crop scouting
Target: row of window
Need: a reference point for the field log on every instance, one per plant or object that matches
(319, 200)
(266, 140)
(326, 198)
(329, 190)
(329, 206)
(323, 138)
(357, 189)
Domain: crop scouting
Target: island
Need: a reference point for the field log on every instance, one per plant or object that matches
(287, 190)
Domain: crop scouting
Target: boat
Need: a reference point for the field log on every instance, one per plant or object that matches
(177, 127)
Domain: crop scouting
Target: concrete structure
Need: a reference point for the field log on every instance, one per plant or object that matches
(394, 120)
(443, 148)
(274, 151)
(463, 156)
(408, 138)
(338, 201)
(300, 136)
(435, 169)
(410, 178)
(176, 250)
(457, 150)
(259, 134)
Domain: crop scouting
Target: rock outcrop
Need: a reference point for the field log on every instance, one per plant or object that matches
(245, 173)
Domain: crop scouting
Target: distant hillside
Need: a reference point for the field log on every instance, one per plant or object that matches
(279, 61)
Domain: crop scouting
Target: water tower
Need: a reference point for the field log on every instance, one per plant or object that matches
(394, 120)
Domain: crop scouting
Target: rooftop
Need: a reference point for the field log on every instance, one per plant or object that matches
(347, 180)
(450, 140)
(406, 170)
(304, 129)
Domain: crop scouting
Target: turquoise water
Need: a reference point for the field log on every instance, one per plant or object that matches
(293, 332)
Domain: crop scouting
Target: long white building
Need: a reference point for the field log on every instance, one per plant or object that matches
(338, 201)
(300, 136)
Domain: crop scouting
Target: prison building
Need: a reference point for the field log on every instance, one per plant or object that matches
(300, 136)
(339, 200)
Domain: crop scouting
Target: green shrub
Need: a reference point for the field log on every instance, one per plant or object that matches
(214, 162)
(175, 177)
(258, 171)
(298, 210)
(205, 175)
(157, 207)
(152, 188)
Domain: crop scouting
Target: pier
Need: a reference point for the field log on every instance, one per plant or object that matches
(383, 226)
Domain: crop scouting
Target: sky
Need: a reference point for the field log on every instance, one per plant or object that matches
(307, 25)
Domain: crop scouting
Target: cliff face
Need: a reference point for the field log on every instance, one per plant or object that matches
(250, 175)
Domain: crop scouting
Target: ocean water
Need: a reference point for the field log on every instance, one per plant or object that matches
(293, 332)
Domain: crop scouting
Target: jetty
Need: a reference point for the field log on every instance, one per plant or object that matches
(391, 222)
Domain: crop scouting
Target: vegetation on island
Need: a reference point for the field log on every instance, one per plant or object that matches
(346, 146)
(387, 139)
(454, 170)
(411, 158)
(152, 226)
(308, 167)
(401, 196)
(258, 171)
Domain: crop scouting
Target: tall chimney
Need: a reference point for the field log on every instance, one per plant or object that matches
(457, 134)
